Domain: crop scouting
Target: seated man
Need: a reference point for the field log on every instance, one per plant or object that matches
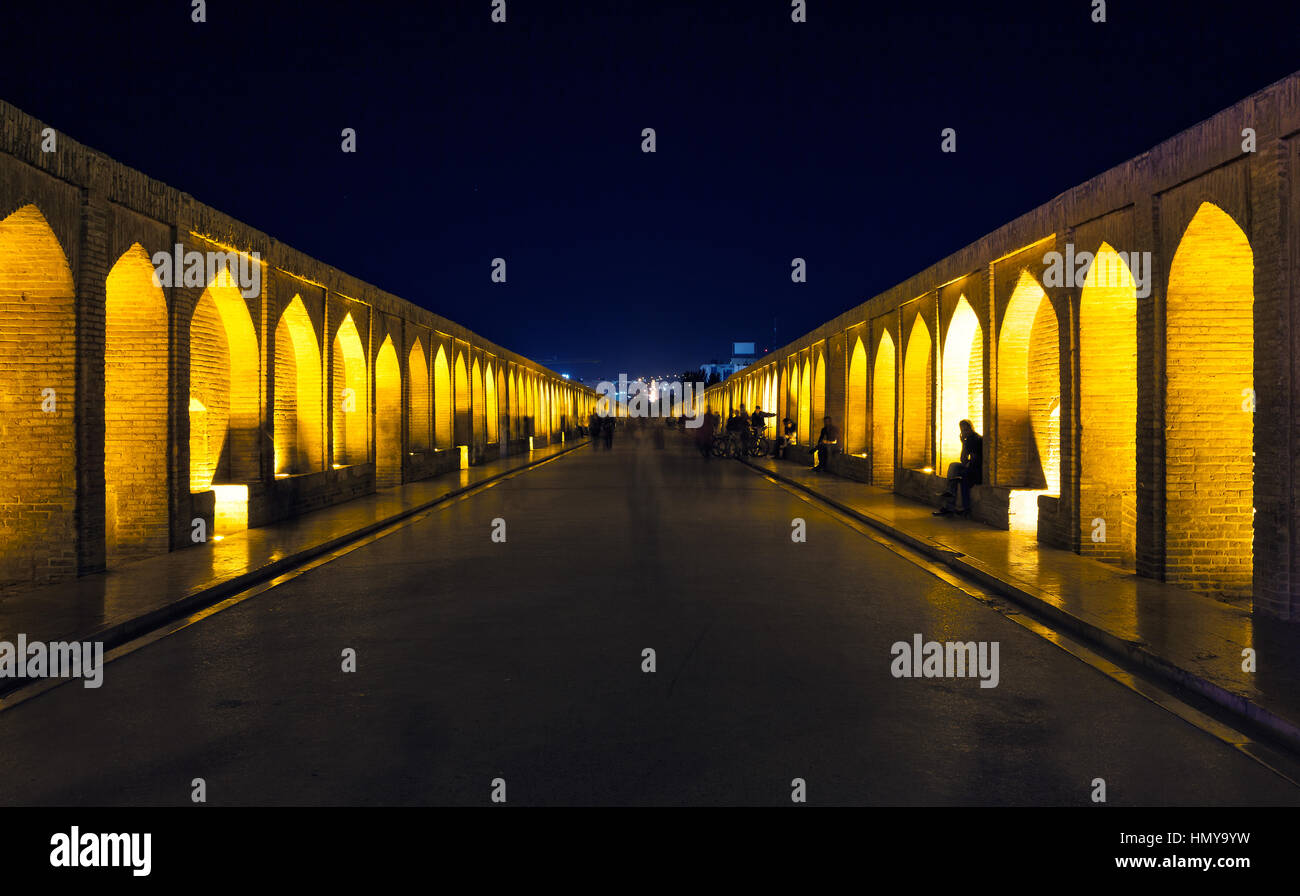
(786, 438)
(827, 439)
(966, 472)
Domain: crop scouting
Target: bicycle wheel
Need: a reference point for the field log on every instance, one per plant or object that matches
(762, 447)
(719, 447)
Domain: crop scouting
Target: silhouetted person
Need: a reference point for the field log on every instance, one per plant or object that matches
(594, 432)
(966, 472)
(827, 439)
(756, 419)
(705, 433)
(786, 437)
(608, 433)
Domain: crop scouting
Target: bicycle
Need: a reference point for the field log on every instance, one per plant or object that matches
(725, 444)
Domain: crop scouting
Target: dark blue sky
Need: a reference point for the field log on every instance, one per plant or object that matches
(522, 140)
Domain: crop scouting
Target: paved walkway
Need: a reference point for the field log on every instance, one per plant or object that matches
(117, 605)
(1187, 638)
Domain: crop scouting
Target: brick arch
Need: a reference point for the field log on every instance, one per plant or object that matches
(1029, 385)
(479, 410)
(512, 384)
(388, 416)
(883, 401)
(855, 405)
(463, 434)
(503, 405)
(350, 410)
(1108, 408)
(792, 397)
(490, 406)
(963, 381)
(818, 395)
(298, 423)
(442, 401)
(224, 386)
(136, 521)
(918, 396)
(38, 464)
(1209, 433)
(418, 406)
(782, 400)
(805, 403)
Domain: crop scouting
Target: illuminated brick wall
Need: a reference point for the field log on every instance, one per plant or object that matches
(388, 417)
(1128, 401)
(420, 399)
(882, 412)
(918, 397)
(1108, 410)
(135, 411)
(37, 353)
(168, 400)
(1209, 432)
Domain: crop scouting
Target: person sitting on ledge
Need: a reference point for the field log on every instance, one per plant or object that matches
(827, 439)
(966, 472)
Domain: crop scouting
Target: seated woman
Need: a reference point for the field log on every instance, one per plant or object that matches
(966, 472)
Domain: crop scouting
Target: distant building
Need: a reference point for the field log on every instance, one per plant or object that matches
(742, 355)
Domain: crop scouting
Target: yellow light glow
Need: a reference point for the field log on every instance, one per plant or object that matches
(232, 508)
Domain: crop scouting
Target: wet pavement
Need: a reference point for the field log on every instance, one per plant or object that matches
(522, 660)
(1188, 637)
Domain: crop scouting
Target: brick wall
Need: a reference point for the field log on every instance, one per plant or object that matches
(135, 411)
(37, 352)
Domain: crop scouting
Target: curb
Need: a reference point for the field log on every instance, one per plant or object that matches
(1032, 599)
(121, 632)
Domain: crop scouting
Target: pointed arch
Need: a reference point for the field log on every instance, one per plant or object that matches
(792, 397)
(351, 406)
(818, 395)
(388, 416)
(418, 398)
(38, 535)
(1029, 390)
(135, 381)
(298, 428)
(490, 404)
(479, 426)
(883, 385)
(805, 403)
(225, 429)
(918, 396)
(463, 433)
(503, 405)
(1209, 433)
(963, 381)
(442, 401)
(1108, 407)
(855, 411)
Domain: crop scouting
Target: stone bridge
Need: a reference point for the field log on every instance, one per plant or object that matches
(137, 417)
(1141, 409)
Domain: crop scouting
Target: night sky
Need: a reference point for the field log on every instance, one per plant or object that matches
(523, 140)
